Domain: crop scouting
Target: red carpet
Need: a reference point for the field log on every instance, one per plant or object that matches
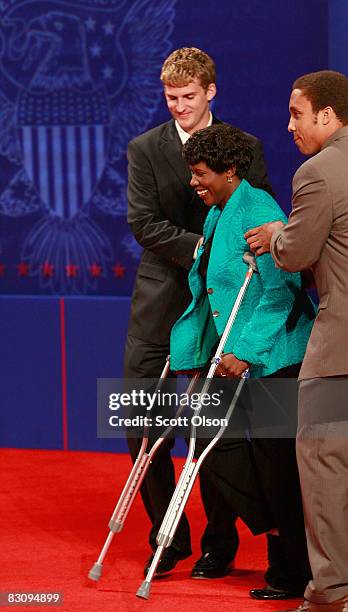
(55, 506)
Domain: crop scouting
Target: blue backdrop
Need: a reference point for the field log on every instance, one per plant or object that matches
(78, 79)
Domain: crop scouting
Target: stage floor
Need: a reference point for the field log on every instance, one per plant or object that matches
(55, 507)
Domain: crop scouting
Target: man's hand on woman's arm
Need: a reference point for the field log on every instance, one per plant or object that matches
(259, 238)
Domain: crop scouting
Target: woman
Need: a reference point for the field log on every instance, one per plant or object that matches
(269, 336)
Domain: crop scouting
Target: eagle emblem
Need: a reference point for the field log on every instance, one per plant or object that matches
(78, 80)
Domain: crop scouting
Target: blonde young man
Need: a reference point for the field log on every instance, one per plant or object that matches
(166, 217)
(316, 237)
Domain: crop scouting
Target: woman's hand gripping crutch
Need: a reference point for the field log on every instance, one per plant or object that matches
(191, 468)
(136, 476)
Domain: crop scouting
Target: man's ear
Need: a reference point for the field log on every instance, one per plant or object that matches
(327, 115)
(211, 91)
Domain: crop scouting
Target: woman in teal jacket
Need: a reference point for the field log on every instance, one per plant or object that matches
(271, 330)
(269, 336)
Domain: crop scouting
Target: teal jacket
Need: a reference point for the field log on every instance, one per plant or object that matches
(274, 322)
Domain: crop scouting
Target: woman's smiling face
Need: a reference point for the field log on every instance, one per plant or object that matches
(212, 187)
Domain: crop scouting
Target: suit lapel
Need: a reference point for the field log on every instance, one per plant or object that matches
(171, 148)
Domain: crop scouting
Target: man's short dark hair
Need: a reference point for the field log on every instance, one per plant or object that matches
(220, 147)
(326, 88)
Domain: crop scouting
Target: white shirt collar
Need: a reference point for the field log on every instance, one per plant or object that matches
(184, 136)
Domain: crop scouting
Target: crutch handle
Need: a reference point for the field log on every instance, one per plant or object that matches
(249, 258)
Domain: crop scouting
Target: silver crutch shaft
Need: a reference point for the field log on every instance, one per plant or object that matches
(191, 468)
(183, 490)
(167, 531)
(215, 361)
(165, 539)
(166, 534)
(120, 513)
(137, 476)
(129, 491)
(250, 259)
(144, 589)
(183, 475)
(134, 482)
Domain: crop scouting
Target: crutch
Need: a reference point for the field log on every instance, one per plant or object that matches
(136, 476)
(191, 468)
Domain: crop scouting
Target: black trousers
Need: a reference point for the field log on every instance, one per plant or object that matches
(144, 360)
(256, 480)
(274, 472)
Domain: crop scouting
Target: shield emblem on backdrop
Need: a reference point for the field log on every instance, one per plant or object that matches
(76, 90)
(64, 140)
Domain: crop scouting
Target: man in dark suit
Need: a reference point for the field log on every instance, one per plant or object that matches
(167, 217)
(316, 237)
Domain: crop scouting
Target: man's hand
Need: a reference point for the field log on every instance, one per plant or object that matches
(259, 238)
(231, 367)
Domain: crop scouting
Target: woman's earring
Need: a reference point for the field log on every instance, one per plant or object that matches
(230, 179)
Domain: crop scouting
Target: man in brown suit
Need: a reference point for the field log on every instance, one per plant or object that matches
(316, 237)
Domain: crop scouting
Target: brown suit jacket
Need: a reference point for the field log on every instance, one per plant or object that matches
(317, 236)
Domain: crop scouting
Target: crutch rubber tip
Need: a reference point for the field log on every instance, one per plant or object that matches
(144, 590)
(96, 572)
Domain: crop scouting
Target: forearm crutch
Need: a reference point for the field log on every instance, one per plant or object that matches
(136, 476)
(191, 468)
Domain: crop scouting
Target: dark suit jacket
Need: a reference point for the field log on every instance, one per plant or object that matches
(167, 217)
(317, 236)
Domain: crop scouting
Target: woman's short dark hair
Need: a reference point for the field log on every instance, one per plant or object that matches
(220, 147)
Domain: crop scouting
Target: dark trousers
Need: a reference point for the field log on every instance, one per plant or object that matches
(144, 360)
(289, 562)
(245, 472)
(256, 480)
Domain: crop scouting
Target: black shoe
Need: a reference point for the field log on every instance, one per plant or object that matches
(211, 565)
(269, 593)
(170, 557)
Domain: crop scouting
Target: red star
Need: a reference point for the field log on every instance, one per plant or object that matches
(47, 269)
(71, 270)
(23, 269)
(95, 270)
(119, 270)
(2, 269)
